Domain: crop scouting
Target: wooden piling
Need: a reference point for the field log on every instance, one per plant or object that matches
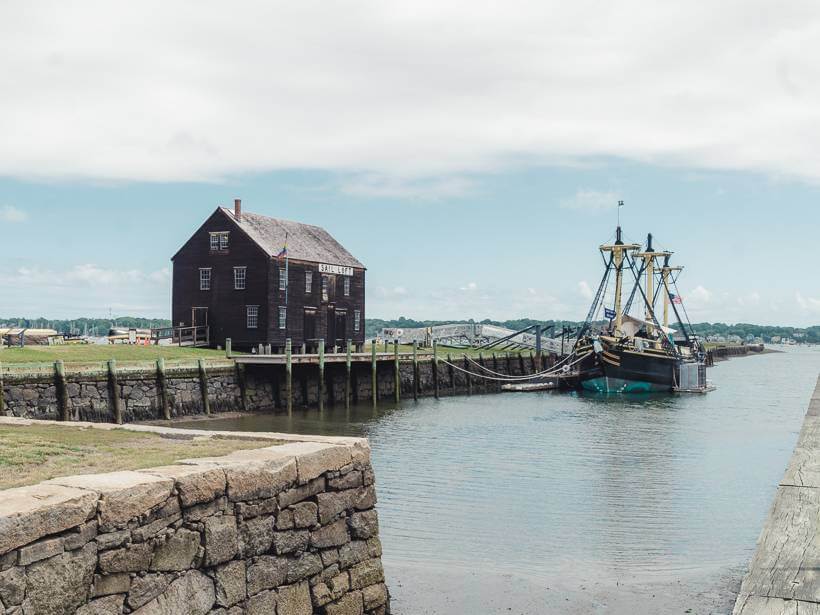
(521, 363)
(415, 370)
(203, 386)
(375, 393)
(396, 371)
(348, 369)
(114, 391)
(467, 374)
(62, 393)
(228, 348)
(165, 406)
(289, 374)
(483, 380)
(435, 369)
(532, 362)
(321, 375)
(452, 374)
(2, 394)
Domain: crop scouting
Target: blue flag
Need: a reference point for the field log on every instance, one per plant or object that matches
(609, 314)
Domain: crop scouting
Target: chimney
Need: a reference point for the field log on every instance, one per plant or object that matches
(237, 209)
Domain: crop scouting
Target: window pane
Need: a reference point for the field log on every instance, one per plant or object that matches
(347, 286)
(308, 281)
(204, 279)
(253, 316)
(239, 278)
(214, 241)
(223, 241)
(283, 316)
(283, 279)
(357, 316)
(325, 285)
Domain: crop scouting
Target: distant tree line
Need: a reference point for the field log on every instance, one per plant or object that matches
(85, 326)
(373, 326)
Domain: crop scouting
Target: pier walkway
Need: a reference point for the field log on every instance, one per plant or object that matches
(784, 575)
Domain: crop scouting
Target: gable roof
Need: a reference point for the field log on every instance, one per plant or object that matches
(305, 242)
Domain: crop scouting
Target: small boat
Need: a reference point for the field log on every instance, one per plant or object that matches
(638, 355)
(523, 387)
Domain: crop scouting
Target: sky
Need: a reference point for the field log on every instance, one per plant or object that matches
(471, 154)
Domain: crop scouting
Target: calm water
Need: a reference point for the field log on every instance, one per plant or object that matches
(558, 488)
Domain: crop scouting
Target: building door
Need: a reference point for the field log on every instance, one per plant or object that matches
(199, 317)
(310, 325)
(341, 328)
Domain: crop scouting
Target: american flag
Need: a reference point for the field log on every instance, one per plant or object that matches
(675, 298)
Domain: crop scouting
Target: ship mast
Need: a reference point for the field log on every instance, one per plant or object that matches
(665, 271)
(618, 250)
(649, 256)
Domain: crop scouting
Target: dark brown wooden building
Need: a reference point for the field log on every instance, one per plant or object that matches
(230, 276)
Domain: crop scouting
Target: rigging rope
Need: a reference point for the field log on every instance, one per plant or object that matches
(515, 378)
(523, 377)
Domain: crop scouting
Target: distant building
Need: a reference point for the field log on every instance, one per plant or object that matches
(230, 276)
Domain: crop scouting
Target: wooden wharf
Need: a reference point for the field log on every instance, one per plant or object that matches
(784, 575)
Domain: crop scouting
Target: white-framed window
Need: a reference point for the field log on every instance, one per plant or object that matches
(283, 279)
(252, 316)
(325, 286)
(283, 316)
(357, 320)
(308, 282)
(239, 277)
(347, 286)
(219, 240)
(205, 278)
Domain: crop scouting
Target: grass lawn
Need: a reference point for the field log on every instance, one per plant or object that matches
(30, 454)
(86, 353)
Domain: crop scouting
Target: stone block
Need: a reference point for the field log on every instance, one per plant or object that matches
(331, 590)
(12, 586)
(352, 553)
(62, 583)
(40, 549)
(369, 572)
(263, 603)
(364, 524)
(109, 584)
(221, 539)
(82, 536)
(375, 596)
(290, 541)
(301, 492)
(123, 495)
(374, 547)
(195, 484)
(132, 558)
(351, 480)
(304, 567)
(192, 594)
(256, 536)
(256, 509)
(112, 540)
(332, 535)
(110, 605)
(284, 520)
(349, 604)
(176, 553)
(231, 584)
(147, 587)
(304, 514)
(29, 513)
(315, 458)
(266, 572)
(330, 556)
(254, 481)
(294, 600)
(208, 509)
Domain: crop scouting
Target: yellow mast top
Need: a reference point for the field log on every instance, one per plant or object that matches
(665, 271)
(649, 256)
(618, 250)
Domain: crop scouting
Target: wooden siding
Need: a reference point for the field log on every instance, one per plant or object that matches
(227, 306)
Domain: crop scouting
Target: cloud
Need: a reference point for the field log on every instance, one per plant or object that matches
(384, 186)
(9, 213)
(807, 304)
(584, 290)
(114, 91)
(591, 200)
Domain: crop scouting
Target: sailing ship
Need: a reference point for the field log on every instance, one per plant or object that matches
(638, 354)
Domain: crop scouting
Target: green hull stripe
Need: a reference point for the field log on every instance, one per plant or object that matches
(619, 385)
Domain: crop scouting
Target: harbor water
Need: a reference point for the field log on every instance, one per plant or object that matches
(572, 502)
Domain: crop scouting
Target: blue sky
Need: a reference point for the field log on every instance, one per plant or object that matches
(518, 243)
(470, 154)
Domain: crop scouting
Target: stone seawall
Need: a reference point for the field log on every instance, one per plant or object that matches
(145, 394)
(290, 529)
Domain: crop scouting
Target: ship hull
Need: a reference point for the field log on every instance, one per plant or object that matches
(625, 371)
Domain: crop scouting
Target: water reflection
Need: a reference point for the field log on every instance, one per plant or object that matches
(545, 485)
